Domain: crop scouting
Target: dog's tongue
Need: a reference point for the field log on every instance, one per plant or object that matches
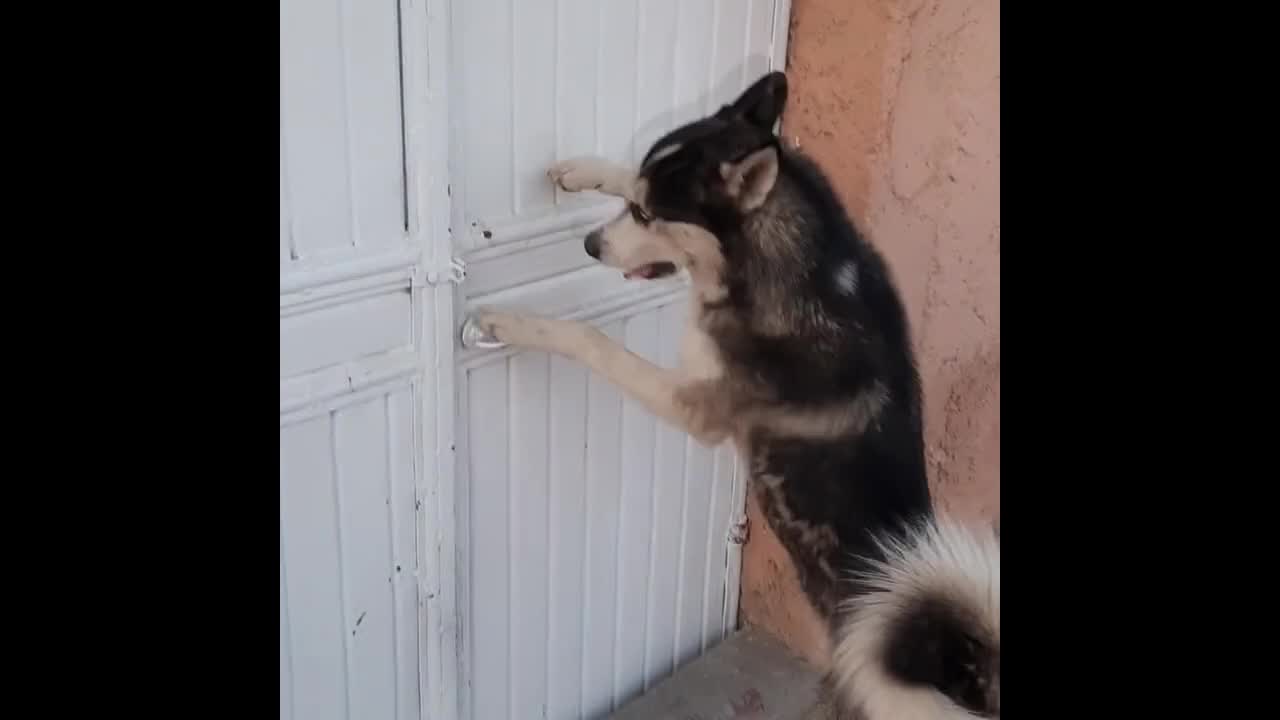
(643, 272)
(650, 271)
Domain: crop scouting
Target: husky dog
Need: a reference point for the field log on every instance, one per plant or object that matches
(798, 351)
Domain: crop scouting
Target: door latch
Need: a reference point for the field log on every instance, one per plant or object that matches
(454, 271)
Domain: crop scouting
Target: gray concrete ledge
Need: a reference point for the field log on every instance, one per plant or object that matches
(749, 676)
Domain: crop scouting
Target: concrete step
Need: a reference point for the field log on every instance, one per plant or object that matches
(749, 676)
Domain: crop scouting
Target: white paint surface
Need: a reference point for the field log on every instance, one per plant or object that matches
(597, 535)
(342, 161)
(362, 616)
(577, 553)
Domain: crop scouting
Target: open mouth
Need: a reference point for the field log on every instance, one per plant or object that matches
(652, 271)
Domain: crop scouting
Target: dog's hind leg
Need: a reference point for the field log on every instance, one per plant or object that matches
(690, 405)
(593, 173)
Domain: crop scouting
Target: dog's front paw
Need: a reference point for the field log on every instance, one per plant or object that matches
(496, 325)
(578, 174)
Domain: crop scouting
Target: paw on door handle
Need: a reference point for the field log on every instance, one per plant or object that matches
(474, 337)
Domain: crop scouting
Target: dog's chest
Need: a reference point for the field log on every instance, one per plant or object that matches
(699, 357)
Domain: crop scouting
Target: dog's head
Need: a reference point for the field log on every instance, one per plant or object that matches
(694, 187)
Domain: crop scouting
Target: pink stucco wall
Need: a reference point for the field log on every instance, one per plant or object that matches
(899, 100)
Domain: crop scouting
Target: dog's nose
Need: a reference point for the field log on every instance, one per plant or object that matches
(592, 244)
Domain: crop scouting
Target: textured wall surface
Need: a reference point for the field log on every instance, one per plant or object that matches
(899, 100)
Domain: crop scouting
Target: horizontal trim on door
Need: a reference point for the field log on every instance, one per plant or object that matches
(337, 268)
(346, 291)
(595, 294)
(550, 260)
(324, 390)
(346, 331)
(532, 230)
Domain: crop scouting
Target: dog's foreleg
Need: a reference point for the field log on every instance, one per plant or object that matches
(688, 405)
(593, 173)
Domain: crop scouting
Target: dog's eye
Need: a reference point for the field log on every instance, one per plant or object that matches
(639, 214)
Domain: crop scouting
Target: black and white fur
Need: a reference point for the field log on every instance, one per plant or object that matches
(798, 350)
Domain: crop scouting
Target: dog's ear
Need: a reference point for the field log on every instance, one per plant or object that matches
(748, 181)
(761, 104)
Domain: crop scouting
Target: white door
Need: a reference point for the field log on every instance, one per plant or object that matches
(593, 540)
(364, 623)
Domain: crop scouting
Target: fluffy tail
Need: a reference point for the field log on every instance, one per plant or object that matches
(922, 640)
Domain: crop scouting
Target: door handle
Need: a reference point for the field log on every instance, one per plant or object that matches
(473, 337)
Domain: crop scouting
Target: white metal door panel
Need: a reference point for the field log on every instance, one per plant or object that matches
(348, 599)
(364, 618)
(593, 539)
(597, 535)
(342, 164)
